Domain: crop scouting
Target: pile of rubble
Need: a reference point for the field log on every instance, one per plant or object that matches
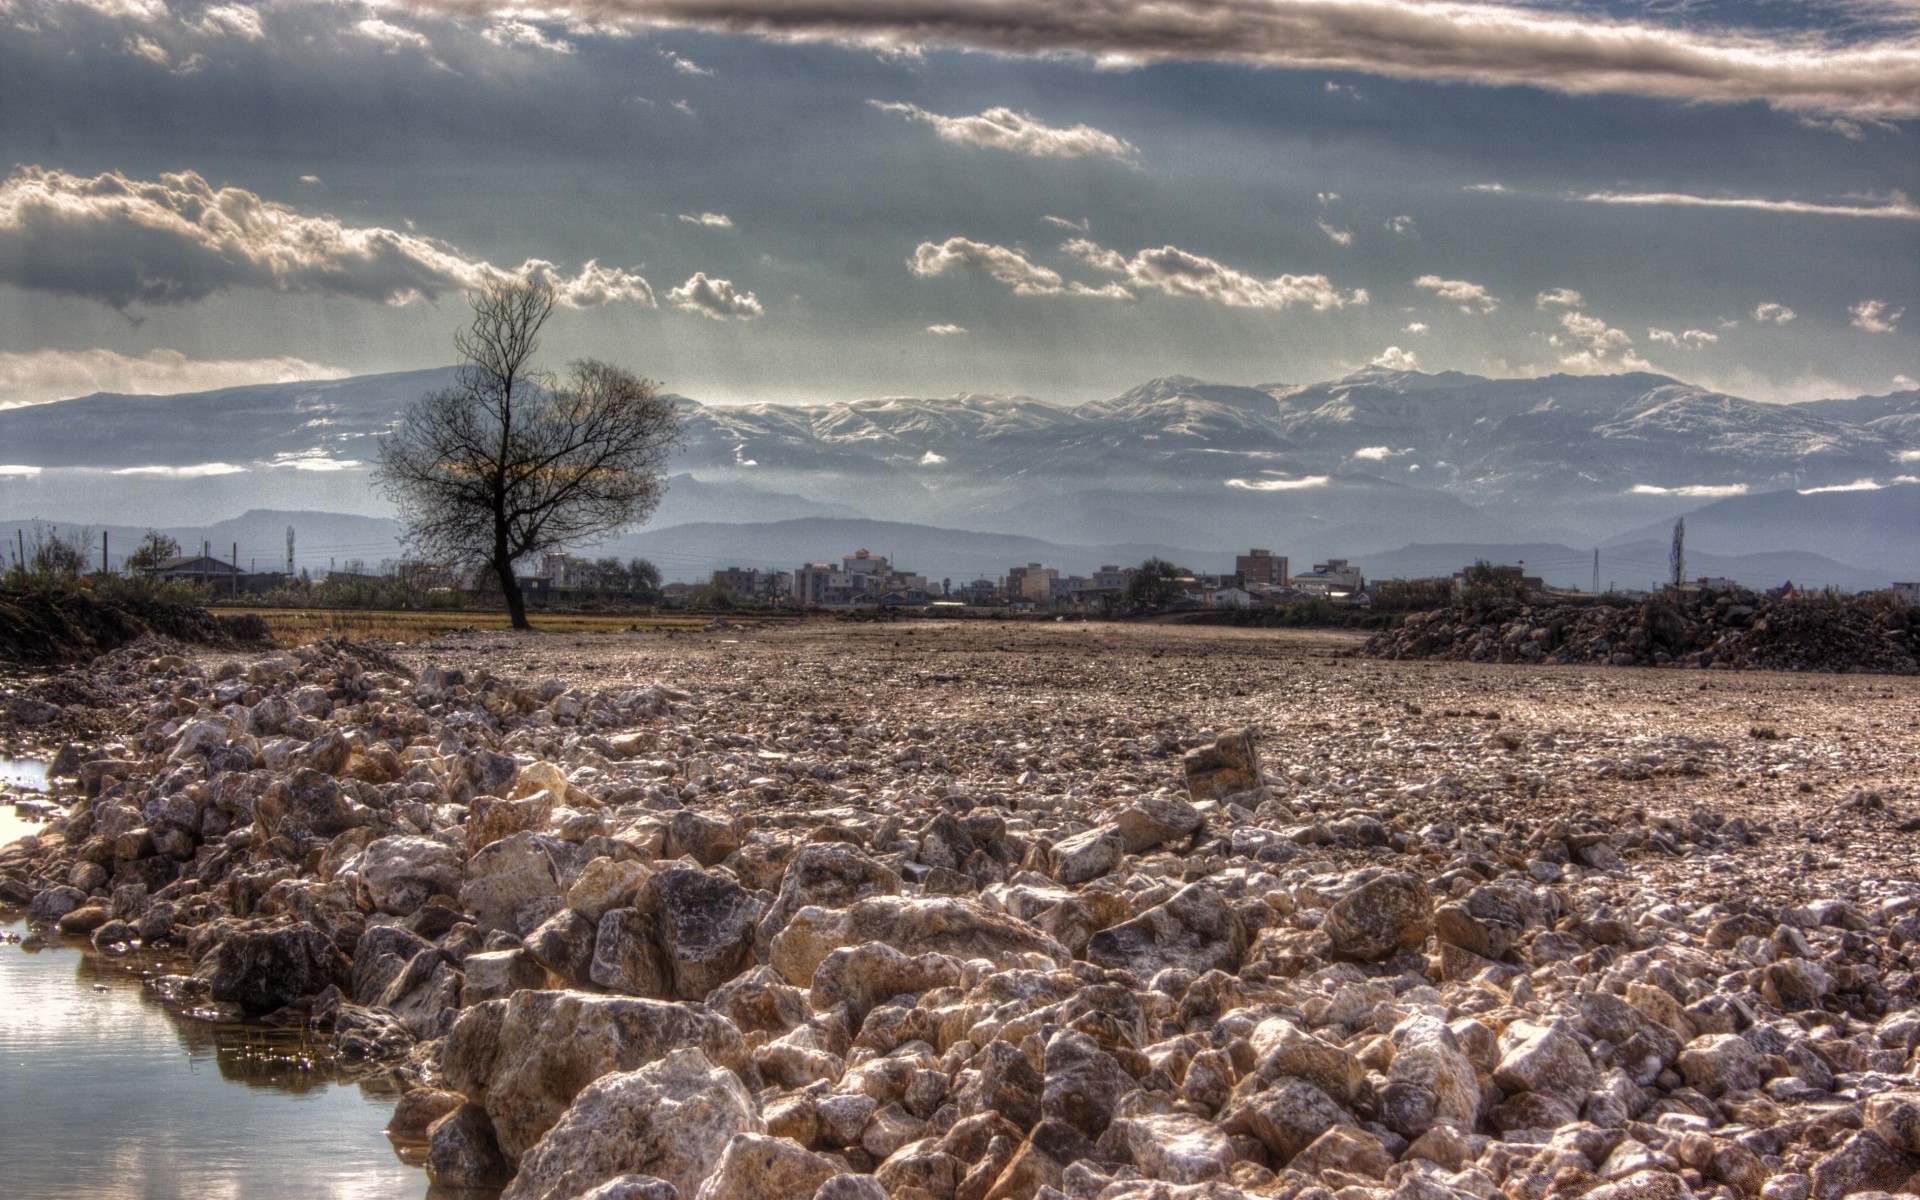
(1716, 630)
(628, 945)
(63, 625)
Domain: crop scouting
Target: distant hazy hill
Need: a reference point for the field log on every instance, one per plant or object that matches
(1350, 467)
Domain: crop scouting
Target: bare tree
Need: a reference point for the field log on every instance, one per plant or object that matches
(1677, 553)
(510, 461)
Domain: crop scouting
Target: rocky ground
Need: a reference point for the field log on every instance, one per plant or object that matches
(1724, 630)
(1006, 910)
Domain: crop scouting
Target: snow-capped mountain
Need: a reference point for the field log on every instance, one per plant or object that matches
(1371, 461)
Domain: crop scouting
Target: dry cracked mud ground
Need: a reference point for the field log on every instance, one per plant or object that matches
(996, 910)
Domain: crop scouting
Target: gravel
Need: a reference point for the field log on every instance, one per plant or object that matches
(1018, 910)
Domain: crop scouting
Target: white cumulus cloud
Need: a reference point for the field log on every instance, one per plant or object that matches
(1176, 272)
(1700, 491)
(512, 31)
(1691, 339)
(1773, 314)
(1876, 316)
(999, 263)
(1280, 485)
(1563, 297)
(1005, 129)
(715, 220)
(947, 330)
(1471, 297)
(1393, 358)
(124, 241)
(43, 375)
(715, 298)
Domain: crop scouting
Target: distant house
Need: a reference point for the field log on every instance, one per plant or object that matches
(1230, 597)
(1031, 582)
(1262, 567)
(223, 578)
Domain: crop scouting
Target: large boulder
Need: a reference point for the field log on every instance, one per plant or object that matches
(269, 969)
(704, 925)
(1377, 914)
(862, 977)
(309, 803)
(491, 818)
(1175, 1147)
(1483, 922)
(1282, 1048)
(756, 1167)
(462, 1153)
(1544, 1058)
(1195, 930)
(526, 1057)
(512, 885)
(1226, 767)
(1152, 820)
(1426, 1054)
(826, 875)
(671, 1119)
(400, 874)
(1286, 1117)
(938, 924)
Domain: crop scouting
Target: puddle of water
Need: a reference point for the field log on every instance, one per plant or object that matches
(108, 1096)
(19, 775)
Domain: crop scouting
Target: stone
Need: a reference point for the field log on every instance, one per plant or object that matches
(1718, 1063)
(1864, 1162)
(50, 904)
(757, 1167)
(84, 920)
(564, 943)
(526, 1057)
(400, 874)
(1083, 1083)
(1544, 1058)
(309, 803)
(1175, 1147)
(1644, 1185)
(633, 1187)
(1283, 1048)
(416, 1112)
(1230, 764)
(1150, 821)
(269, 969)
(604, 884)
(1344, 1148)
(704, 925)
(1428, 1054)
(492, 819)
(462, 1153)
(1195, 930)
(511, 884)
(1378, 915)
(384, 955)
(926, 924)
(1006, 1084)
(497, 974)
(626, 956)
(1484, 922)
(851, 1187)
(1086, 855)
(825, 875)
(862, 977)
(1794, 984)
(1286, 1116)
(708, 840)
(671, 1119)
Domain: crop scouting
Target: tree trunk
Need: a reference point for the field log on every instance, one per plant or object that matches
(510, 588)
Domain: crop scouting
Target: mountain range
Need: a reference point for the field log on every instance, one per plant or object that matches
(1356, 467)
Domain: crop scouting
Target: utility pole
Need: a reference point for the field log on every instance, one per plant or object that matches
(234, 590)
(289, 551)
(103, 552)
(1596, 570)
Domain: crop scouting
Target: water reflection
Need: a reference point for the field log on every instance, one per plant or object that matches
(19, 775)
(108, 1096)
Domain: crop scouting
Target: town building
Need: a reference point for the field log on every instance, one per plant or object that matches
(1262, 567)
(1033, 583)
(743, 582)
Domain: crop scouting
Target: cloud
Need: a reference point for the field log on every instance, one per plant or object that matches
(1894, 206)
(1379, 453)
(1858, 485)
(17, 471)
(930, 459)
(715, 298)
(1773, 314)
(1005, 129)
(1907, 456)
(1416, 327)
(1442, 40)
(44, 375)
(1082, 225)
(1874, 316)
(1393, 358)
(1010, 267)
(1905, 382)
(1176, 272)
(1471, 297)
(1341, 237)
(394, 37)
(1400, 225)
(683, 65)
(234, 20)
(1698, 491)
(124, 241)
(1280, 485)
(1599, 348)
(514, 32)
(947, 330)
(1692, 339)
(716, 220)
(194, 471)
(1559, 298)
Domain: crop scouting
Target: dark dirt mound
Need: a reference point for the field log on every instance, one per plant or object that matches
(57, 626)
(1724, 630)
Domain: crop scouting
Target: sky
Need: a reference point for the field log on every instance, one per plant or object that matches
(822, 200)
